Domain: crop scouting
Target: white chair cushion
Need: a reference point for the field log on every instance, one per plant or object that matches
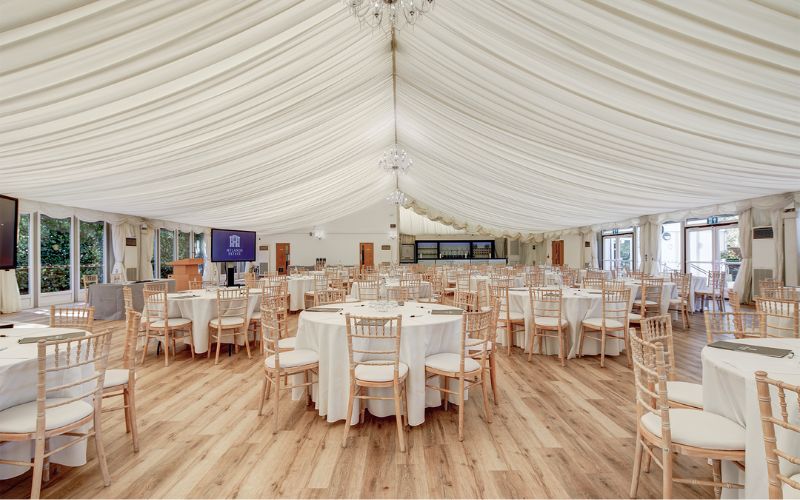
(788, 491)
(369, 372)
(227, 321)
(514, 316)
(677, 301)
(256, 316)
(22, 418)
(685, 393)
(450, 361)
(547, 321)
(173, 322)
(115, 376)
(287, 343)
(635, 317)
(598, 322)
(699, 428)
(290, 359)
(650, 303)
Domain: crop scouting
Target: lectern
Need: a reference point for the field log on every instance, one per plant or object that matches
(184, 271)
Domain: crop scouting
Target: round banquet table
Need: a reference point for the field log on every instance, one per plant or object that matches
(424, 288)
(18, 380)
(729, 389)
(200, 306)
(667, 291)
(423, 334)
(578, 304)
(298, 286)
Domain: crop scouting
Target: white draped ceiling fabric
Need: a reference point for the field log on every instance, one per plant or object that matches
(521, 116)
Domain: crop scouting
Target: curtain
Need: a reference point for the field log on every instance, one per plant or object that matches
(146, 252)
(210, 269)
(650, 235)
(776, 221)
(743, 283)
(118, 231)
(9, 292)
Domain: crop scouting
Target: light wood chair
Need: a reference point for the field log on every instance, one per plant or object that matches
(683, 283)
(232, 305)
(782, 316)
(491, 348)
(196, 285)
(468, 369)
(509, 322)
(279, 304)
(324, 297)
(68, 398)
(160, 326)
(727, 325)
(734, 301)
(781, 484)
(88, 280)
(547, 321)
(658, 329)
(280, 364)
(690, 432)
(127, 298)
(122, 381)
(535, 278)
(156, 286)
(569, 278)
(613, 323)
(80, 317)
(468, 301)
(413, 285)
(593, 283)
(649, 303)
(373, 348)
(437, 289)
(369, 289)
(320, 285)
(714, 291)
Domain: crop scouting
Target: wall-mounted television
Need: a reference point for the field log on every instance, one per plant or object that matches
(9, 208)
(233, 246)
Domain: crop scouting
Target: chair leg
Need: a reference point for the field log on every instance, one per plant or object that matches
(446, 386)
(166, 348)
(716, 469)
(125, 407)
(277, 403)
(602, 348)
(131, 391)
(264, 393)
(461, 408)
(581, 338)
(487, 411)
(627, 342)
(398, 416)
(100, 447)
(247, 345)
(493, 376)
(349, 415)
(146, 341)
(509, 335)
(219, 346)
(38, 468)
(306, 380)
(666, 461)
(562, 346)
(531, 341)
(637, 466)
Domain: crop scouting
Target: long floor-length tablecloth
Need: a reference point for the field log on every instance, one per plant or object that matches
(109, 302)
(298, 286)
(18, 380)
(423, 334)
(729, 390)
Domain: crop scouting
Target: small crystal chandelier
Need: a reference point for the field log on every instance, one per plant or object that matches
(397, 198)
(395, 160)
(389, 14)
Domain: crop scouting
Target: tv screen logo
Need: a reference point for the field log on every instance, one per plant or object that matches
(234, 241)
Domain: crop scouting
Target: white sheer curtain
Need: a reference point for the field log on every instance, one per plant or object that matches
(9, 292)
(210, 270)
(776, 220)
(650, 233)
(118, 231)
(744, 279)
(146, 253)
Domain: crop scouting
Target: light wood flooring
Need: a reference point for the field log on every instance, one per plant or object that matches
(557, 432)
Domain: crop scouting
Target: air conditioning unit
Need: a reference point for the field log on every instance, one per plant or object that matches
(763, 256)
(131, 274)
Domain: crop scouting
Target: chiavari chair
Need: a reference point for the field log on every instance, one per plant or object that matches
(332, 296)
(594, 274)
(468, 369)
(782, 316)
(436, 281)
(279, 364)
(593, 283)
(160, 326)
(535, 278)
(373, 348)
(547, 321)
(682, 431)
(650, 292)
(781, 484)
(612, 324)
(734, 301)
(89, 280)
(195, 284)
(369, 290)
(658, 329)
(569, 278)
(231, 319)
(468, 301)
(714, 291)
(413, 284)
(122, 381)
(463, 281)
(491, 348)
(769, 283)
(67, 407)
(81, 317)
(722, 325)
(156, 286)
(509, 322)
(117, 278)
(681, 304)
(320, 284)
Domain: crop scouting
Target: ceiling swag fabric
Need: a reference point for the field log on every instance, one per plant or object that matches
(522, 117)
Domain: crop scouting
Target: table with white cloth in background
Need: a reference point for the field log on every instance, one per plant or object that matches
(667, 290)
(18, 381)
(200, 306)
(298, 286)
(108, 299)
(578, 305)
(729, 390)
(698, 282)
(424, 288)
(423, 334)
(608, 274)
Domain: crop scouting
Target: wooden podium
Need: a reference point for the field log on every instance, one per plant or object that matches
(184, 271)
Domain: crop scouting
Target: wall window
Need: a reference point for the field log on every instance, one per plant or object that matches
(92, 249)
(671, 246)
(166, 251)
(55, 247)
(184, 246)
(24, 254)
(199, 251)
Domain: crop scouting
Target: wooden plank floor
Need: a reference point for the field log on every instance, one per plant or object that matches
(557, 432)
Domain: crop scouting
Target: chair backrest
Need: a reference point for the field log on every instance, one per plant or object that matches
(70, 370)
(658, 329)
(157, 286)
(252, 281)
(545, 303)
(127, 298)
(117, 278)
(271, 333)
(413, 284)
(616, 306)
(280, 306)
(769, 283)
(724, 325)
(652, 289)
(374, 339)
(683, 282)
(320, 282)
(369, 290)
(734, 301)
(398, 293)
(155, 306)
(132, 320)
(569, 277)
(195, 284)
(595, 274)
(465, 300)
(463, 280)
(594, 283)
(232, 302)
(781, 292)
(81, 317)
(329, 297)
(717, 281)
(650, 384)
(499, 294)
(782, 316)
(789, 429)
(614, 285)
(90, 279)
(475, 337)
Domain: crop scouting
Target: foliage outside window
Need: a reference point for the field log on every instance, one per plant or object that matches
(184, 246)
(92, 244)
(199, 251)
(23, 254)
(55, 254)
(166, 251)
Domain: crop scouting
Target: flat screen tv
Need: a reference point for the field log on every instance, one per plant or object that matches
(233, 246)
(8, 232)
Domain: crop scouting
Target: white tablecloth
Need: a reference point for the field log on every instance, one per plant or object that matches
(298, 286)
(18, 379)
(667, 292)
(200, 306)
(729, 389)
(422, 335)
(424, 288)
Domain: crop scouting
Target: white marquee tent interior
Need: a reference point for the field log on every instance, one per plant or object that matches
(527, 122)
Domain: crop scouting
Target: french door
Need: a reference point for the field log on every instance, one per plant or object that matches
(618, 252)
(712, 248)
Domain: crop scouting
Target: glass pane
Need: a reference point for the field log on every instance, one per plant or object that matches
(199, 249)
(92, 235)
(183, 245)
(699, 251)
(24, 254)
(625, 252)
(55, 254)
(670, 245)
(729, 251)
(166, 246)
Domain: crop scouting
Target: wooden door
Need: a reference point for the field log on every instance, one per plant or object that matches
(557, 255)
(282, 258)
(367, 252)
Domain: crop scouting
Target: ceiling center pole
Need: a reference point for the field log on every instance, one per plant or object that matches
(394, 108)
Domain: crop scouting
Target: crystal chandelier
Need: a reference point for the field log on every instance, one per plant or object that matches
(397, 198)
(389, 14)
(395, 160)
